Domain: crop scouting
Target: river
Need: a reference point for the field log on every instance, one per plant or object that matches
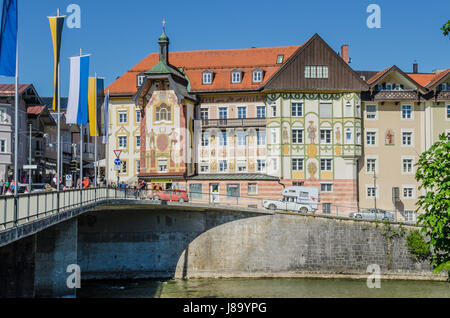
(262, 288)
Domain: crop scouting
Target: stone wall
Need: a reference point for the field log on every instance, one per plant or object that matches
(165, 244)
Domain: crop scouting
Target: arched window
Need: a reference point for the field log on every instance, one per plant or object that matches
(163, 113)
(348, 136)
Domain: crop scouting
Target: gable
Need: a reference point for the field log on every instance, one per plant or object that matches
(316, 52)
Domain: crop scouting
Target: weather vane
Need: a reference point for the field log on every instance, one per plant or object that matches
(164, 23)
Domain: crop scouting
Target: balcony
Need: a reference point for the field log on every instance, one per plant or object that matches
(235, 122)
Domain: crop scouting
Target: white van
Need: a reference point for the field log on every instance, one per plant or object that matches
(301, 199)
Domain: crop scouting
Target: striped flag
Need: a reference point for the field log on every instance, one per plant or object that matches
(8, 39)
(106, 118)
(96, 95)
(56, 27)
(77, 107)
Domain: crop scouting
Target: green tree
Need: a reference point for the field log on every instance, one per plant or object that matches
(433, 174)
(446, 28)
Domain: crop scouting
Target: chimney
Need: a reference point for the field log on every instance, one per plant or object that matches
(415, 68)
(344, 53)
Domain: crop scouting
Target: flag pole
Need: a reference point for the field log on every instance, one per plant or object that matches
(16, 120)
(107, 143)
(81, 147)
(95, 136)
(58, 163)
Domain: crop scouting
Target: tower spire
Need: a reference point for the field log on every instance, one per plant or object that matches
(164, 45)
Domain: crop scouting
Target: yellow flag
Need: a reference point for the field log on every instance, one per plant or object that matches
(92, 101)
(56, 27)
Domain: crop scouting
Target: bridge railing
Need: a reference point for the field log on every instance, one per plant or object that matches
(15, 211)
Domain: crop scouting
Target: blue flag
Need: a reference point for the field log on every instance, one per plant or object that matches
(8, 38)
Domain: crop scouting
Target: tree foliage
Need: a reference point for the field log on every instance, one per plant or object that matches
(433, 174)
(446, 28)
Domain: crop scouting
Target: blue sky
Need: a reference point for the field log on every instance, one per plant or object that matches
(119, 34)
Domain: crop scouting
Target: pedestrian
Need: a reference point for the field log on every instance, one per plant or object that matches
(86, 183)
(2, 184)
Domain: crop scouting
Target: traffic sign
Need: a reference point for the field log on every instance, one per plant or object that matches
(30, 167)
(116, 168)
(117, 162)
(118, 153)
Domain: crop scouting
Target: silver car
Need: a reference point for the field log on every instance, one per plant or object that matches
(371, 214)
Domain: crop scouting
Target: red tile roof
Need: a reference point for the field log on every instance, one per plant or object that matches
(378, 75)
(35, 110)
(9, 89)
(438, 77)
(422, 79)
(221, 62)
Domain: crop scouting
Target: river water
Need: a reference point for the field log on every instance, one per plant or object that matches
(261, 288)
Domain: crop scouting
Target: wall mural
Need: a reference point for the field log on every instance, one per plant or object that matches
(312, 150)
(389, 138)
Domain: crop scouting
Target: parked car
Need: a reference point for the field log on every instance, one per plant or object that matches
(370, 214)
(37, 187)
(170, 195)
(289, 204)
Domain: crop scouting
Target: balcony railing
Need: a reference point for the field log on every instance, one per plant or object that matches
(234, 122)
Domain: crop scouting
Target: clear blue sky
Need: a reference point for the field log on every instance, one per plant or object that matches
(119, 34)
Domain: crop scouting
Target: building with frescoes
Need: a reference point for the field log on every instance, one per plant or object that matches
(247, 123)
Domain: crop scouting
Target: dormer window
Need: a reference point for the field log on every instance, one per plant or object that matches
(379, 87)
(445, 86)
(397, 87)
(207, 77)
(388, 86)
(257, 76)
(280, 59)
(140, 80)
(236, 77)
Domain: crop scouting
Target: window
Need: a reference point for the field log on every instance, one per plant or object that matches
(223, 138)
(325, 136)
(3, 117)
(297, 109)
(140, 80)
(138, 167)
(408, 192)
(326, 208)
(261, 137)
(407, 138)
(138, 141)
(274, 110)
(236, 77)
(123, 167)
(123, 142)
(233, 190)
(257, 76)
(138, 116)
(242, 112)
(252, 189)
(242, 165)
(358, 110)
(326, 165)
(204, 113)
(207, 78)
(274, 164)
(123, 117)
(298, 184)
(348, 136)
(261, 165)
(280, 59)
(371, 192)
(410, 216)
(162, 165)
(242, 139)
(326, 110)
(371, 111)
(388, 86)
(312, 71)
(407, 165)
(261, 111)
(205, 139)
(406, 111)
(274, 136)
(448, 111)
(223, 166)
(371, 138)
(2, 145)
(444, 87)
(326, 187)
(297, 136)
(371, 165)
(163, 113)
(204, 167)
(297, 164)
(223, 113)
(348, 109)
(196, 190)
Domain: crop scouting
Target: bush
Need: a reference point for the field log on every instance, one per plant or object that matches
(417, 246)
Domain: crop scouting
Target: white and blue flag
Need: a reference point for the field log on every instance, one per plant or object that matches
(77, 107)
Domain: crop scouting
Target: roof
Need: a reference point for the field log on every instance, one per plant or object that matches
(240, 176)
(48, 102)
(378, 75)
(9, 89)
(35, 110)
(220, 62)
(437, 78)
